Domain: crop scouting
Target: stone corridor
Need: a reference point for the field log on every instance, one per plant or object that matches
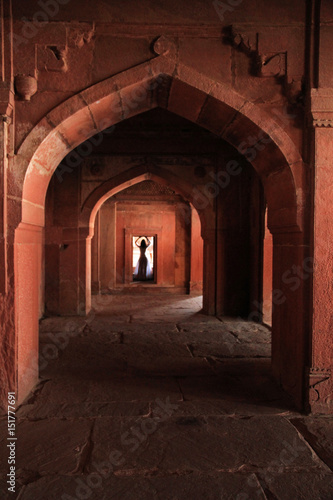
(147, 398)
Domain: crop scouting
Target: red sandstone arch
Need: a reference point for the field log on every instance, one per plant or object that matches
(194, 96)
(133, 176)
(120, 182)
(165, 83)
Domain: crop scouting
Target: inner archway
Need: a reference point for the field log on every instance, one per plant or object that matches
(214, 107)
(175, 252)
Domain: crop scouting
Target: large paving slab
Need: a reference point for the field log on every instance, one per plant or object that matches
(159, 333)
(247, 331)
(198, 319)
(242, 366)
(231, 350)
(168, 366)
(146, 359)
(44, 410)
(107, 325)
(257, 388)
(168, 317)
(192, 486)
(218, 407)
(163, 308)
(126, 350)
(310, 485)
(62, 324)
(103, 390)
(180, 444)
(49, 446)
(318, 431)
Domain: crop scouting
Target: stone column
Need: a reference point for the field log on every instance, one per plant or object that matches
(196, 253)
(267, 275)
(108, 245)
(292, 272)
(8, 335)
(209, 272)
(233, 262)
(96, 257)
(220, 274)
(7, 104)
(75, 272)
(319, 377)
(3, 204)
(84, 298)
(28, 264)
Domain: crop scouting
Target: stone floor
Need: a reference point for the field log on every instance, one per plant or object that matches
(149, 399)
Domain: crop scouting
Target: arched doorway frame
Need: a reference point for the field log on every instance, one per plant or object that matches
(122, 181)
(131, 177)
(213, 106)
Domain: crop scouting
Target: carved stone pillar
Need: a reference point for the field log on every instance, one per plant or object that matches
(28, 265)
(209, 272)
(292, 272)
(6, 129)
(3, 204)
(8, 335)
(108, 276)
(319, 376)
(75, 272)
(96, 257)
(196, 253)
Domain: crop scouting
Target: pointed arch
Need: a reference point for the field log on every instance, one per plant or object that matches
(163, 82)
(139, 174)
(188, 93)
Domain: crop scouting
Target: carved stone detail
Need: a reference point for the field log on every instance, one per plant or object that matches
(164, 45)
(272, 64)
(321, 114)
(294, 90)
(319, 388)
(265, 65)
(6, 119)
(248, 44)
(52, 58)
(240, 40)
(25, 86)
(318, 375)
(78, 36)
(323, 123)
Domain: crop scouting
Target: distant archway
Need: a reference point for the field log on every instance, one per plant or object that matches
(131, 177)
(172, 221)
(122, 181)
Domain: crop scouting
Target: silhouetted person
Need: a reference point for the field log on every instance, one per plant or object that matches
(143, 270)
